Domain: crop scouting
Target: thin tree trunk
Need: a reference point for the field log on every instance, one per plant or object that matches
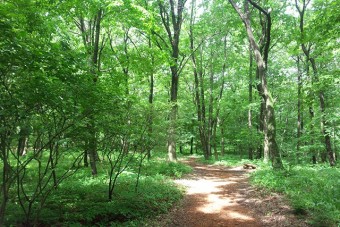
(6, 169)
(299, 117)
(199, 89)
(211, 106)
(93, 155)
(250, 99)
(85, 158)
(92, 146)
(324, 123)
(216, 118)
(150, 120)
(222, 141)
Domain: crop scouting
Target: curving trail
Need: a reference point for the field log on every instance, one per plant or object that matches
(219, 196)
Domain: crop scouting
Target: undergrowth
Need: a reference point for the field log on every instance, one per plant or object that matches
(82, 200)
(230, 160)
(172, 169)
(311, 189)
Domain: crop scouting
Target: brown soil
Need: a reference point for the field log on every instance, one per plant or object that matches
(220, 196)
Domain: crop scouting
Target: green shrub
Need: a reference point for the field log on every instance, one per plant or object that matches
(171, 169)
(83, 200)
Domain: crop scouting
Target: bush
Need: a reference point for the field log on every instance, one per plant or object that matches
(170, 169)
(83, 200)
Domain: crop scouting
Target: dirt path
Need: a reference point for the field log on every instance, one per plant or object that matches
(219, 196)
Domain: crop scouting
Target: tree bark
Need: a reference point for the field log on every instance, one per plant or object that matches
(299, 109)
(270, 145)
(199, 89)
(307, 52)
(91, 39)
(173, 31)
(151, 95)
(6, 172)
(324, 124)
(211, 106)
(250, 99)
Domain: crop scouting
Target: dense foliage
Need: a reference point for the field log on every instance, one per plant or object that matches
(91, 91)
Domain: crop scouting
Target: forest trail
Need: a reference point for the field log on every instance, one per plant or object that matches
(219, 196)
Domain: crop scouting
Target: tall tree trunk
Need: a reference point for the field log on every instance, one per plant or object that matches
(91, 42)
(299, 117)
(324, 124)
(204, 126)
(211, 106)
(216, 118)
(307, 52)
(150, 119)
(270, 145)
(173, 120)
(176, 17)
(199, 89)
(93, 155)
(250, 99)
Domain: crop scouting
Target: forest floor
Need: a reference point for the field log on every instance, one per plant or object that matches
(222, 196)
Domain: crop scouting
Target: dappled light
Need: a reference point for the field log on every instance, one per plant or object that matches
(214, 196)
(217, 195)
(188, 113)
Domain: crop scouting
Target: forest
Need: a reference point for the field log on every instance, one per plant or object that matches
(102, 101)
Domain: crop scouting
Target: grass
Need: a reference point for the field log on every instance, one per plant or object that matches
(230, 160)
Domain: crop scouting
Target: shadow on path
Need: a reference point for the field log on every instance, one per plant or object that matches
(213, 198)
(221, 196)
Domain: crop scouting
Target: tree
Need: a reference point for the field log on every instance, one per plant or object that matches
(270, 144)
(307, 50)
(172, 18)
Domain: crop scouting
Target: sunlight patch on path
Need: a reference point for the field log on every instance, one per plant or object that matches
(202, 186)
(214, 199)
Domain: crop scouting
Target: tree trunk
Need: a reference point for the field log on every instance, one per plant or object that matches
(307, 52)
(85, 159)
(222, 142)
(270, 145)
(199, 90)
(191, 145)
(324, 124)
(299, 109)
(151, 94)
(6, 170)
(173, 116)
(210, 108)
(91, 39)
(92, 147)
(250, 99)
(176, 16)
